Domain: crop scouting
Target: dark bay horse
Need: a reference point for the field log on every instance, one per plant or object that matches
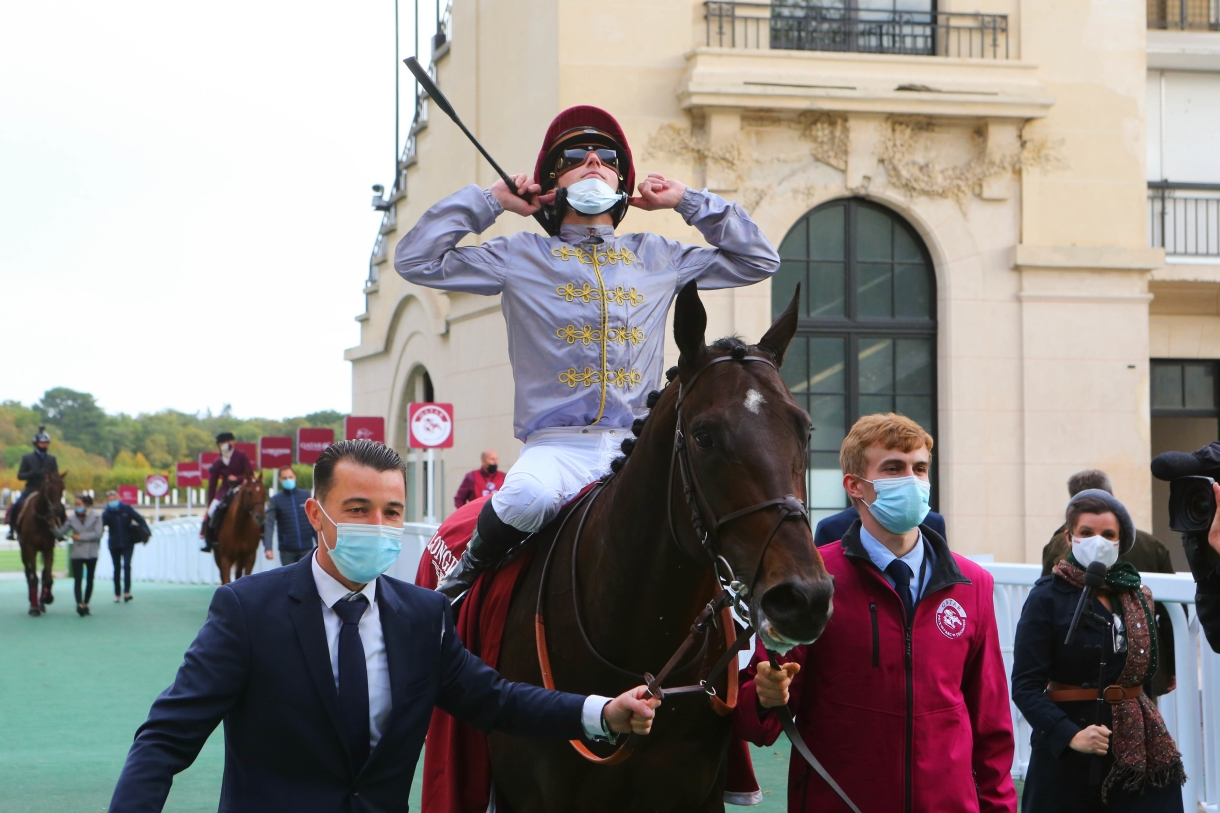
(38, 528)
(642, 573)
(241, 530)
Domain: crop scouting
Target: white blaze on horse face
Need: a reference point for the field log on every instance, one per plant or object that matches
(754, 401)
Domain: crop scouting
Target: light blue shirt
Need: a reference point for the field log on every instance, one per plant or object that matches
(882, 557)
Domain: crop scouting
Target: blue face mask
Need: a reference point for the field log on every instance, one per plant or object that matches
(289, 485)
(901, 504)
(113, 504)
(80, 509)
(363, 552)
(593, 196)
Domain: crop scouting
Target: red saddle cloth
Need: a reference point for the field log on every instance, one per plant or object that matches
(457, 764)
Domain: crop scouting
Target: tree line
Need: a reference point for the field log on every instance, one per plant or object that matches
(100, 450)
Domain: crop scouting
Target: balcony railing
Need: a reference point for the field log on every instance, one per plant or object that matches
(1184, 218)
(797, 25)
(1186, 15)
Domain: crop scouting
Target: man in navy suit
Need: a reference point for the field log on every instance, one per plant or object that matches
(326, 672)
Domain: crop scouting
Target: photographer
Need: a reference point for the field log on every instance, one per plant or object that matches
(1189, 508)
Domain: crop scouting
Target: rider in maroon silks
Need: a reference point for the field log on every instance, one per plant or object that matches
(232, 467)
(904, 697)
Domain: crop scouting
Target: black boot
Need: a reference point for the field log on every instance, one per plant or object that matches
(207, 536)
(492, 540)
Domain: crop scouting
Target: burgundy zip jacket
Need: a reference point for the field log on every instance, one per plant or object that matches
(906, 719)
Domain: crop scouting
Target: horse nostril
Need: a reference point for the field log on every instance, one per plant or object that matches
(799, 610)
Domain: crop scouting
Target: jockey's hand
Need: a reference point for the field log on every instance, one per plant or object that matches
(232, 478)
(1213, 535)
(513, 203)
(772, 685)
(658, 192)
(1092, 740)
(270, 554)
(631, 712)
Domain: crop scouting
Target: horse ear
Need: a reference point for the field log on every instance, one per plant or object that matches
(690, 323)
(64, 476)
(775, 340)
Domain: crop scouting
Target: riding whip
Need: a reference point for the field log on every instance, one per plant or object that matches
(425, 81)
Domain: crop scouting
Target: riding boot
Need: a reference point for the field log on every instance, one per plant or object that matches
(207, 535)
(492, 540)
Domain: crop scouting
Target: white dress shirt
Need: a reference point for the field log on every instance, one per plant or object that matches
(378, 668)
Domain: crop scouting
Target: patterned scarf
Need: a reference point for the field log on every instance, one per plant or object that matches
(1144, 753)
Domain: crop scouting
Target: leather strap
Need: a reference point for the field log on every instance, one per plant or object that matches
(1112, 694)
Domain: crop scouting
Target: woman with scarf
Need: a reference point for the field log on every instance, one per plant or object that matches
(1094, 749)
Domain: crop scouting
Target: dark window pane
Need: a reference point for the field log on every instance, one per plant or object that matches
(826, 290)
(795, 246)
(826, 234)
(783, 285)
(1166, 386)
(876, 365)
(1200, 386)
(829, 416)
(873, 291)
(874, 235)
(870, 404)
(916, 407)
(912, 294)
(795, 370)
(906, 250)
(826, 358)
(913, 363)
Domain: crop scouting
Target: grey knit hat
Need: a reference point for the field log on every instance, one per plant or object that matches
(1126, 528)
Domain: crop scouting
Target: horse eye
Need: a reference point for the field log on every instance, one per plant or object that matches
(703, 439)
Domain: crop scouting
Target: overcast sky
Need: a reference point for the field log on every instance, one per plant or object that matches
(184, 198)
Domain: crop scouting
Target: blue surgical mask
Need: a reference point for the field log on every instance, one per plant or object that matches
(593, 196)
(80, 509)
(901, 504)
(363, 552)
(113, 504)
(289, 485)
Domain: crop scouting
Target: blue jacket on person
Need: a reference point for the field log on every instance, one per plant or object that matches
(834, 526)
(287, 513)
(262, 666)
(119, 520)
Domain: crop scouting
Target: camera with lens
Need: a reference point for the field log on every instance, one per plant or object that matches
(1192, 501)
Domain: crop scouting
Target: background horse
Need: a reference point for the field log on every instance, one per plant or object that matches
(38, 527)
(637, 587)
(241, 530)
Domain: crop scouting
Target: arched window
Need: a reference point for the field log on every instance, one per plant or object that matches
(867, 336)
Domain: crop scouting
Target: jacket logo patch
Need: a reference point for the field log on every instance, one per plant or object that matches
(951, 618)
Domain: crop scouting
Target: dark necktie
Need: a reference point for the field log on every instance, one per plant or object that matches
(353, 678)
(900, 572)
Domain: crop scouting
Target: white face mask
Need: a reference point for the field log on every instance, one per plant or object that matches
(226, 448)
(593, 196)
(1095, 549)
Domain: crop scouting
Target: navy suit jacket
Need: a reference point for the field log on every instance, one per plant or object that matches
(261, 664)
(834, 526)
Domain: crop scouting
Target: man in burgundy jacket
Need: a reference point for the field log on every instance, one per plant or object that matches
(904, 698)
(228, 470)
(482, 482)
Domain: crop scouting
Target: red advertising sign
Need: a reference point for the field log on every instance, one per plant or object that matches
(129, 494)
(188, 475)
(250, 450)
(430, 426)
(206, 459)
(274, 452)
(356, 428)
(311, 442)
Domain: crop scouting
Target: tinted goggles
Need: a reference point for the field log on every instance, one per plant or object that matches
(575, 156)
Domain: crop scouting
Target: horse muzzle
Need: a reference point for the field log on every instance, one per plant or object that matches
(793, 612)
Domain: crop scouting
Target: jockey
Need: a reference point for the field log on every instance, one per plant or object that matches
(35, 466)
(585, 308)
(232, 467)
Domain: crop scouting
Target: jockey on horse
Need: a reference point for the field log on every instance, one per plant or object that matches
(225, 473)
(585, 308)
(35, 466)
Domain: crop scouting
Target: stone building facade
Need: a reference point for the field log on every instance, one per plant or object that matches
(977, 196)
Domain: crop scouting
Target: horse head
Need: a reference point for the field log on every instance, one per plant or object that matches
(254, 498)
(743, 442)
(53, 487)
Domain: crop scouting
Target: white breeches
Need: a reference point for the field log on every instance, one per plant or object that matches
(555, 464)
(212, 507)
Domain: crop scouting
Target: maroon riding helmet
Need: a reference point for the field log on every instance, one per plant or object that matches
(577, 129)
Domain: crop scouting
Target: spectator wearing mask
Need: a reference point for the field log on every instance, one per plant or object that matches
(118, 518)
(482, 482)
(85, 529)
(1089, 755)
(287, 515)
(903, 699)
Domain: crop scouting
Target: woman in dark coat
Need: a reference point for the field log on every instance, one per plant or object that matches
(1112, 755)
